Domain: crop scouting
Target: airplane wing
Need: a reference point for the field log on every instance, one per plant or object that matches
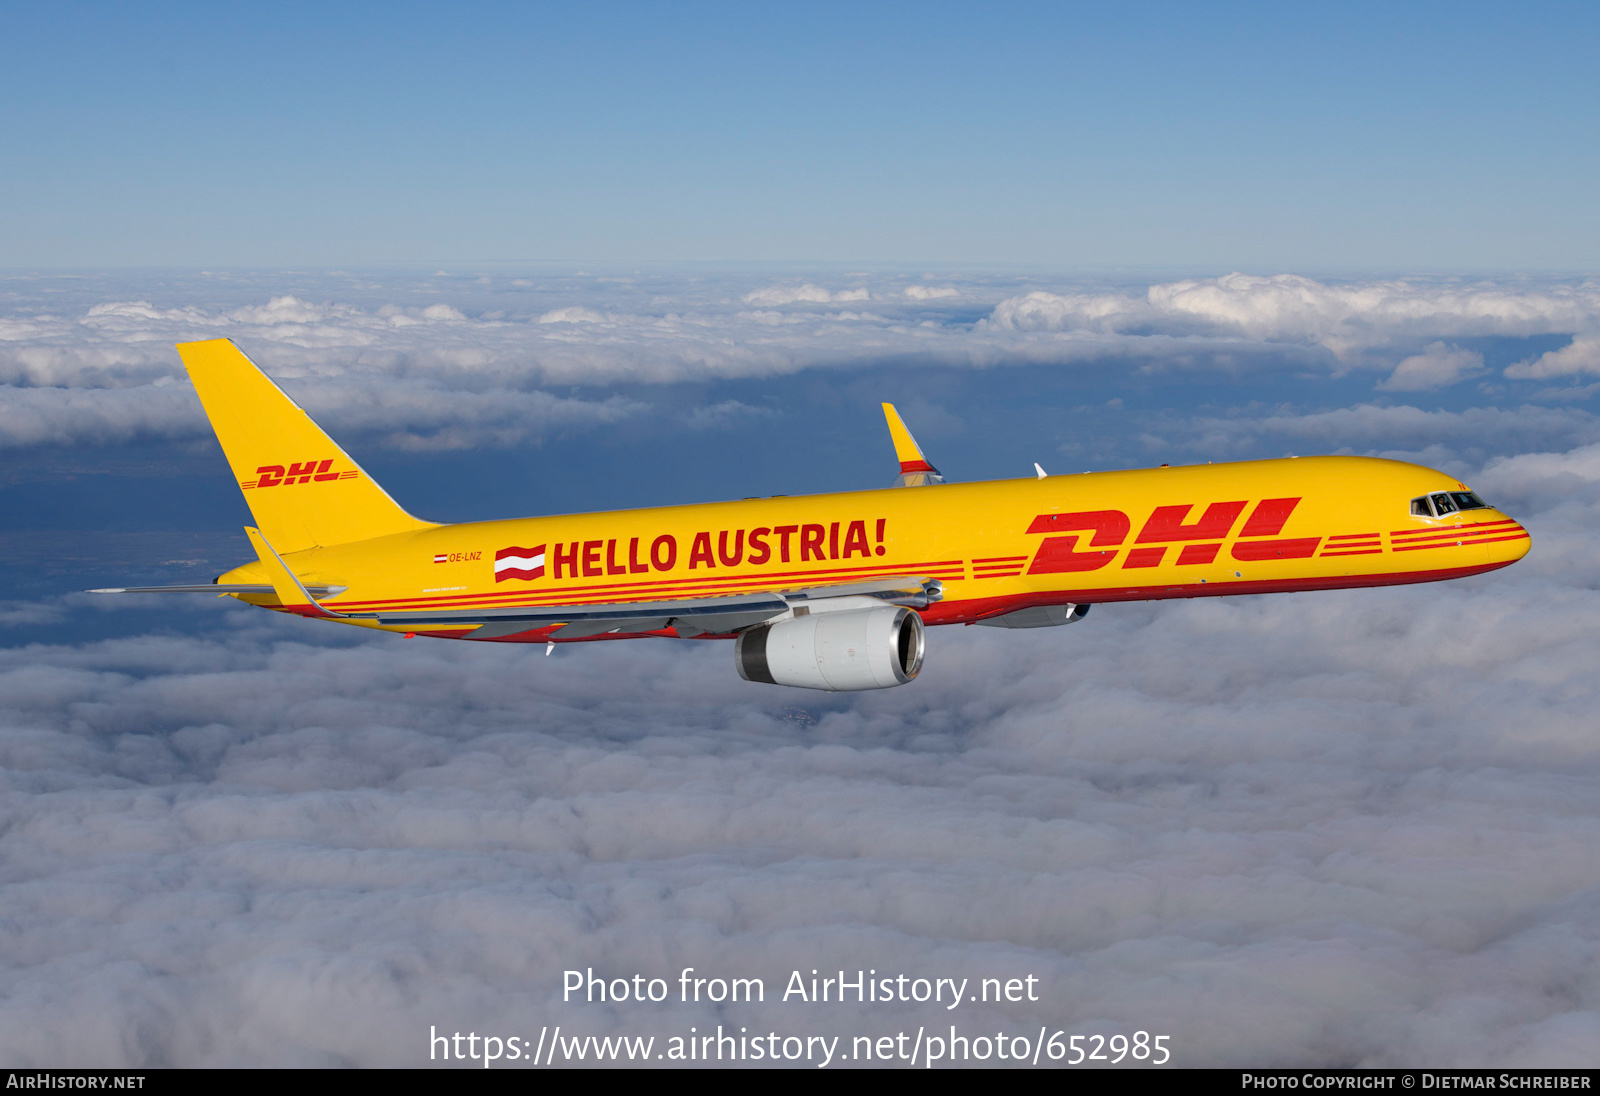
(689, 617)
(915, 471)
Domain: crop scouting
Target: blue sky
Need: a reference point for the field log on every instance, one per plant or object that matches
(1171, 136)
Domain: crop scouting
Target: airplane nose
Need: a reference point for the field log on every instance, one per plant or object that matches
(1508, 545)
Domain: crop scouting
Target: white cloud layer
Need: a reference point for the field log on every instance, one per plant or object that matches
(410, 414)
(1438, 366)
(1345, 319)
(1322, 829)
(466, 337)
(1582, 355)
(1443, 439)
(777, 295)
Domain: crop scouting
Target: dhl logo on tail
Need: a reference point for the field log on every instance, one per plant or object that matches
(277, 475)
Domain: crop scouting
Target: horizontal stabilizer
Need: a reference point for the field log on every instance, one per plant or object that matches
(216, 588)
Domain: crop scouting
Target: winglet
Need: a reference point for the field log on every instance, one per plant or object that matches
(285, 583)
(915, 471)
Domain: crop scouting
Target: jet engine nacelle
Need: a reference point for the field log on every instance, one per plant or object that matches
(841, 650)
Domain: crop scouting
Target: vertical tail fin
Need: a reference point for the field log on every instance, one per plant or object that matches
(304, 491)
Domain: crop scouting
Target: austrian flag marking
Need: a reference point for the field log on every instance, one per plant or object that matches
(522, 563)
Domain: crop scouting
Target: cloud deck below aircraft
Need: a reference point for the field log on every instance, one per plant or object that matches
(1327, 829)
(1336, 828)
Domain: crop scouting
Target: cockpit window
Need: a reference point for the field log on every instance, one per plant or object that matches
(1441, 503)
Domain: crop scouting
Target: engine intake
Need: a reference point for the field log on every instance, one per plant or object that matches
(840, 651)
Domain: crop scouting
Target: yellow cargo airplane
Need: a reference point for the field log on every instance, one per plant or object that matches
(823, 591)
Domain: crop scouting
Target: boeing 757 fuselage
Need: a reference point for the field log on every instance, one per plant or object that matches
(822, 591)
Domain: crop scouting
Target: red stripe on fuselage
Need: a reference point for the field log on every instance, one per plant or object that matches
(1251, 551)
(1458, 531)
(945, 612)
(1434, 530)
(1461, 542)
(967, 611)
